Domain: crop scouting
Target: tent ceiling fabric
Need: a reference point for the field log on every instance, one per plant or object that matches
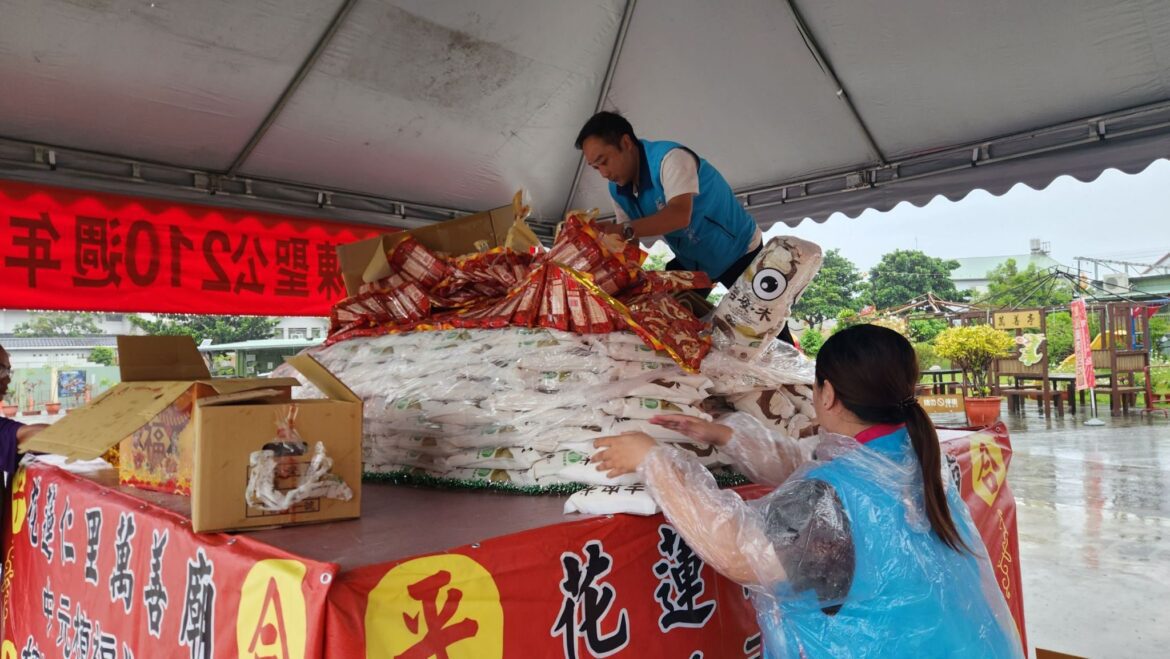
(457, 103)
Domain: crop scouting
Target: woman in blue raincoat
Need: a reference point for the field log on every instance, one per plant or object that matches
(864, 550)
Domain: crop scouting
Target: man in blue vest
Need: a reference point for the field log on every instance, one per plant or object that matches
(665, 189)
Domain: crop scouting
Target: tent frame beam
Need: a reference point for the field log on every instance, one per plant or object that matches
(49, 164)
(1140, 121)
(602, 96)
(818, 54)
(293, 85)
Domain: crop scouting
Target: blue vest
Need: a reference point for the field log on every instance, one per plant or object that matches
(911, 595)
(720, 229)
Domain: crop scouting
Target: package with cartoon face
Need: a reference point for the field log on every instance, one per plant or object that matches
(754, 311)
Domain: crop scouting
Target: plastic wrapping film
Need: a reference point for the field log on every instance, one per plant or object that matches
(315, 482)
(513, 408)
(277, 462)
(782, 364)
(840, 559)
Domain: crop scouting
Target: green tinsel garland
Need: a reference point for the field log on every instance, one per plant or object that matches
(728, 478)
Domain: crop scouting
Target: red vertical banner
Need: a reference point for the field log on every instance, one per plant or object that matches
(979, 464)
(90, 572)
(88, 251)
(1086, 374)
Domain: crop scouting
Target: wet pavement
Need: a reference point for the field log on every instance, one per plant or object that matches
(1094, 522)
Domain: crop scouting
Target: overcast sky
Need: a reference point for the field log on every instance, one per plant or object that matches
(1118, 216)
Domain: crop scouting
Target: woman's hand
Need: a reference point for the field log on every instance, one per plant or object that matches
(697, 429)
(621, 454)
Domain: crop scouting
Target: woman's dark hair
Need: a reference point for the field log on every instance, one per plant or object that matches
(874, 372)
(609, 126)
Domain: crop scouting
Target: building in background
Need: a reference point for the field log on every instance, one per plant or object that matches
(302, 327)
(111, 324)
(253, 358)
(972, 272)
(53, 351)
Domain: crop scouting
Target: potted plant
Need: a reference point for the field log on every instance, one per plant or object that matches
(30, 387)
(53, 408)
(9, 409)
(973, 348)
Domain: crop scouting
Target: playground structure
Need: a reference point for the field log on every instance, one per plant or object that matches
(1121, 349)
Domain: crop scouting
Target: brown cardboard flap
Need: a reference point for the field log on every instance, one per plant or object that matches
(353, 259)
(233, 385)
(379, 264)
(324, 380)
(249, 396)
(365, 260)
(158, 358)
(87, 432)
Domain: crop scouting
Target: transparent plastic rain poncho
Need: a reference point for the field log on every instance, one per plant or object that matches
(840, 558)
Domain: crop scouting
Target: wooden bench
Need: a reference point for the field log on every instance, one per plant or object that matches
(1016, 396)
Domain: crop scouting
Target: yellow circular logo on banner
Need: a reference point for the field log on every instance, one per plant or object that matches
(272, 620)
(438, 606)
(988, 469)
(19, 500)
(8, 651)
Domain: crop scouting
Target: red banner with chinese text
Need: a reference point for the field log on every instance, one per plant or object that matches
(979, 463)
(620, 586)
(1083, 349)
(73, 250)
(607, 587)
(92, 572)
(624, 586)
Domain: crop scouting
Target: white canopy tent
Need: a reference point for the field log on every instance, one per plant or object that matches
(400, 111)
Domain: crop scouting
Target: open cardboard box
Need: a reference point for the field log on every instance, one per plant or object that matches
(365, 261)
(230, 428)
(165, 436)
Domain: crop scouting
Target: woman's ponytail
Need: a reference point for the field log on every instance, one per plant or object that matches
(924, 438)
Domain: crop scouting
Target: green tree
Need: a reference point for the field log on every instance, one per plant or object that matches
(1159, 327)
(905, 274)
(972, 348)
(220, 329)
(835, 289)
(846, 318)
(102, 355)
(59, 324)
(1008, 286)
(924, 331)
(811, 341)
(1059, 335)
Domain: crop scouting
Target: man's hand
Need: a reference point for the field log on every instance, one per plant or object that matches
(610, 227)
(694, 428)
(622, 454)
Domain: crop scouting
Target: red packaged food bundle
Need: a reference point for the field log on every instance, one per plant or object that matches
(413, 261)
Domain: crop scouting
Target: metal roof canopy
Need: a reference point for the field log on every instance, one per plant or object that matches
(404, 112)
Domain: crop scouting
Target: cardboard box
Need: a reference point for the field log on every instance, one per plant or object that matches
(365, 260)
(230, 428)
(181, 431)
(148, 415)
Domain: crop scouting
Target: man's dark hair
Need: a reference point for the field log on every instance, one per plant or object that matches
(609, 126)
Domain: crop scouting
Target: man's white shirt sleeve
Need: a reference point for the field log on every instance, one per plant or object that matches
(679, 174)
(619, 215)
